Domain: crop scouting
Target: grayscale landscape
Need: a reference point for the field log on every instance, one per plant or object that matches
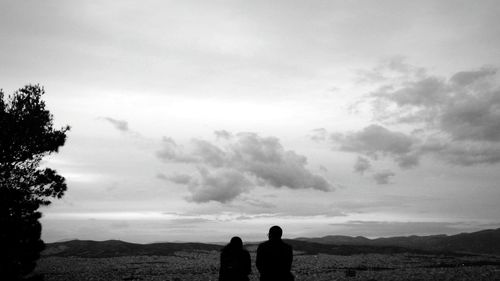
(151, 139)
(466, 258)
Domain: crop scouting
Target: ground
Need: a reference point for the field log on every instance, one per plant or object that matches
(203, 265)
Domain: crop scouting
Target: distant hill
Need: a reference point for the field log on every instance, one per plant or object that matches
(313, 248)
(481, 242)
(116, 248)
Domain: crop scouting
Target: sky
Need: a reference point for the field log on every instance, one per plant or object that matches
(203, 120)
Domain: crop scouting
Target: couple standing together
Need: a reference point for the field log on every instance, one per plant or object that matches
(274, 259)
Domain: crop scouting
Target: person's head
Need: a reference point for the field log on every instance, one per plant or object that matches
(275, 233)
(236, 243)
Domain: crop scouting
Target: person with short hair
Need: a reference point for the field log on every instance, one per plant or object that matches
(274, 257)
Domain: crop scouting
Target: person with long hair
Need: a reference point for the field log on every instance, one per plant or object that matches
(235, 264)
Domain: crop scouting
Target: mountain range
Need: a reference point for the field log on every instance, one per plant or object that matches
(117, 248)
(481, 242)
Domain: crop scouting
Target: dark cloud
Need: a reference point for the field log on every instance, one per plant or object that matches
(221, 186)
(456, 120)
(472, 117)
(424, 92)
(376, 141)
(408, 160)
(258, 160)
(383, 177)
(120, 125)
(464, 78)
(208, 153)
(465, 111)
(466, 107)
(458, 153)
(362, 164)
(269, 161)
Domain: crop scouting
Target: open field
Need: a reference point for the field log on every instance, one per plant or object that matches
(203, 265)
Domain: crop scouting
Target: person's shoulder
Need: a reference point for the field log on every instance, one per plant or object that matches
(263, 245)
(245, 252)
(287, 245)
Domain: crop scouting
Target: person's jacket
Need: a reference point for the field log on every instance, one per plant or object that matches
(274, 261)
(235, 265)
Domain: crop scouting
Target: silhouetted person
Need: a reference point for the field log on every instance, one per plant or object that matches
(235, 264)
(274, 258)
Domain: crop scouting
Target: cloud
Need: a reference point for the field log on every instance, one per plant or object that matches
(208, 153)
(472, 117)
(221, 186)
(162, 176)
(268, 160)
(120, 125)
(223, 134)
(362, 165)
(383, 177)
(464, 78)
(178, 178)
(258, 203)
(468, 154)
(408, 160)
(424, 92)
(187, 222)
(455, 120)
(466, 107)
(376, 141)
(170, 151)
(393, 68)
(319, 134)
(464, 110)
(123, 126)
(258, 160)
(323, 168)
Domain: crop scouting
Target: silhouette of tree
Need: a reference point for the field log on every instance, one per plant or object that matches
(27, 135)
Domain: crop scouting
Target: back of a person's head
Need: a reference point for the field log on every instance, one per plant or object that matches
(235, 244)
(275, 233)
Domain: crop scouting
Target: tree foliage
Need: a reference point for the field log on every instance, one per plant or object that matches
(27, 134)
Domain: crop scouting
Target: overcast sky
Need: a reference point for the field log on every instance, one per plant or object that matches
(201, 120)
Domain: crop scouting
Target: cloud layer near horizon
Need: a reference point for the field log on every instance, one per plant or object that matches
(236, 164)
